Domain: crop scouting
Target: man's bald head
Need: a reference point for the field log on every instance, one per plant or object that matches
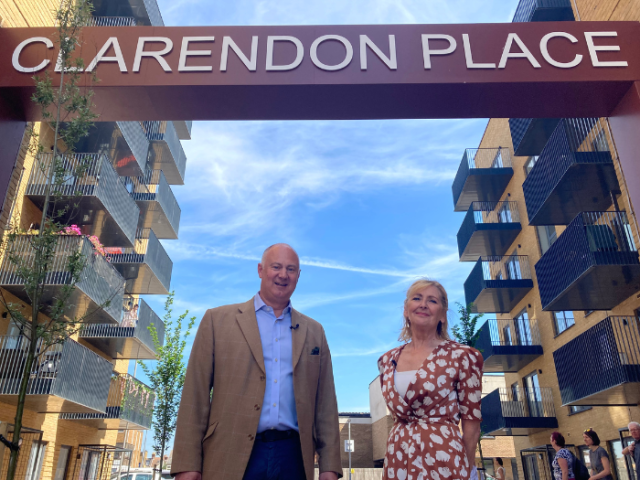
(278, 245)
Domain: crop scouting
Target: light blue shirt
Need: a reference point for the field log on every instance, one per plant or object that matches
(279, 404)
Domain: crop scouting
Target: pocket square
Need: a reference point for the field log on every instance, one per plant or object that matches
(315, 351)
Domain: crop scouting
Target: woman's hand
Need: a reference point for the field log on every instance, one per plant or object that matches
(606, 470)
(470, 437)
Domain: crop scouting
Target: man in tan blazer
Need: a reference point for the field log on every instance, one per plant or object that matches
(259, 398)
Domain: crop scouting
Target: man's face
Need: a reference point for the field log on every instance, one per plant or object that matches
(279, 272)
(635, 432)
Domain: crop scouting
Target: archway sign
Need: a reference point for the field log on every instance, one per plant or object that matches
(538, 69)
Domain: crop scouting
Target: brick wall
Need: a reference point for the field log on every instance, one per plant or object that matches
(361, 434)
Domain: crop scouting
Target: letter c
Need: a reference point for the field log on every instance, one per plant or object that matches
(545, 51)
(16, 55)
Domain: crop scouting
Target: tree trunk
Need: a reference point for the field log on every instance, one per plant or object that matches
(22, 393)
(162, 454)
(480, 452)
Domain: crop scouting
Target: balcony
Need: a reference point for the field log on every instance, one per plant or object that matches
(97, 295)
(146, 267)
(592, 266)
(489, 228)
(518, 411)
(159, 209)
(497, 284)
(509, 345)
(168, 154)
(183, 128)
(612, 363)
(64, 378)
(130, 339)
(95, 196)
(145, 12)
(112, 22)
(530, 135)
(544, 11)
(129, 406)
(482, 176)
(574, 173)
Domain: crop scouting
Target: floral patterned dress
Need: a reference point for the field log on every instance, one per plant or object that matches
(425, 442)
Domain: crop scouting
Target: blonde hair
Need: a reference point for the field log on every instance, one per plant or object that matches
(443, 326)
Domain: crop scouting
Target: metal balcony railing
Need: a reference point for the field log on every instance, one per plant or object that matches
(146, 267)
(101, 21)
(88, 177)
(98, 293)
(591, 245)
(543, 10)
(183, 128)
(131, 338)
(153, 12)
(488, 228)
(509, 345)
(526, 402)
(130, 402)
(613, 361)
(573, 173)
(174, 167)
(513, 332)
(69, 371)
(137, 142)
(153, 187)
(507, 267)
(492, 164)
(518, 411)
(530, 135)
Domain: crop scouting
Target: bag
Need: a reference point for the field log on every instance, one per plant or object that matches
(580, 470)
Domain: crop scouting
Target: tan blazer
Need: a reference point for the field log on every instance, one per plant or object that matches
(215, 433)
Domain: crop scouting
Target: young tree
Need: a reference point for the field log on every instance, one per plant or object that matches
(465, 332)
(67, 109)
(167, 376)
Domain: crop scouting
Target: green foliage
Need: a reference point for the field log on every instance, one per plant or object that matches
(465, 331)
(168, 374)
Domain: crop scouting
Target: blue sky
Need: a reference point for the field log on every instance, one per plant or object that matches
(367, 204)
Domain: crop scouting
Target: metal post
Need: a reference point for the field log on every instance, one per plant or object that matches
(350, 449)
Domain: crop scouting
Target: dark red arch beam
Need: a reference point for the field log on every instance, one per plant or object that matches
(564, 69)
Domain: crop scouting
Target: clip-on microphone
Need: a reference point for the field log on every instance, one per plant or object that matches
(294, 328)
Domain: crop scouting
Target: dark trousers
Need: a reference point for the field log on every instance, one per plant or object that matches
(276, 460)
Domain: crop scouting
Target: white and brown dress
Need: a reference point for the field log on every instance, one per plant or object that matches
(425, 442)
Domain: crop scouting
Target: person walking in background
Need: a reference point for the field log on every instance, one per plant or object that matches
(600, 464)
(563, 461)
(430, 385)
(273, 402)
(632, 449)
(500, 473)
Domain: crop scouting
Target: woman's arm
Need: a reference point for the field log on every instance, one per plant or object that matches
(470, 437)
(564, 466)
(606, 469)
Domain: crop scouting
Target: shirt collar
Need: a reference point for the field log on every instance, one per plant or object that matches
(259, 304)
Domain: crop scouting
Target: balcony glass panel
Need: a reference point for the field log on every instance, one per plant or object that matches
(544, 11)
(129, 406)
(610, 373)
(530, 135)
(489, 228)
(159, 209)
(93, 192)
(509, 345)
(482, 176)
(574, 173)
(130, 339)
(64, 378)
(497, 284)
(99, 292)
(168, 153)
(146, 267)
(518, 411)
(593, 265)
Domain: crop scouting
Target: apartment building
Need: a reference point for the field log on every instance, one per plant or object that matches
(85, 410)
(553, 237)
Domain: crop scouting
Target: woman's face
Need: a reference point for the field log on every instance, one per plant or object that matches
(424, 308)
(587, 440)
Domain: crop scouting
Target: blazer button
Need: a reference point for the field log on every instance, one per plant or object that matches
(251, 437)
(256, 406)
(262, 377)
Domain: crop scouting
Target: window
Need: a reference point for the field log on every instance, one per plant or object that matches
(588, 312)
(534, 395)
(619, 462)
(36, 456)
(528, 166)
(578, 408)
(504, 216)
(497, 160)
(513, 267)
(562, 321)
(63, 461)
(546, 236)
(488, 467)
(523, 329)
(600, 143)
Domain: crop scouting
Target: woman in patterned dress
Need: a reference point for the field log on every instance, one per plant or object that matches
(429, 385)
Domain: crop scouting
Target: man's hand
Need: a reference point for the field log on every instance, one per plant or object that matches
(188, 476)
(632, 447)
(323, 476)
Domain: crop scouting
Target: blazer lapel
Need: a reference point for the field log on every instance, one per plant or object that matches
(249, 325)
(298, 334)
